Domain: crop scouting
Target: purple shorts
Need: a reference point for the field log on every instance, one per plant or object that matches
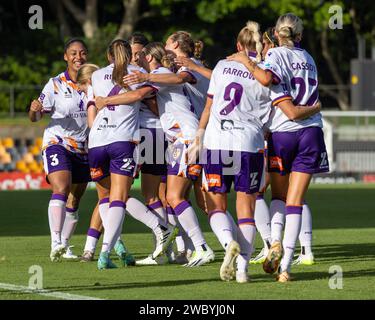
(300, 151)
(117, 157)
(58, 158)
(177, 164)
(152, 152)
(245, 169)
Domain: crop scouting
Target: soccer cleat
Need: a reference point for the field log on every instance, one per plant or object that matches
(242, 277)
(304, 259)
(69, 254)
(57, 252)
(227, 269)
(104, 262)
(149, 261)
(283, 277)
(87, 256)
(164, 239)
(126, 257)
(201, 257)
(272, 261)
(259, 259)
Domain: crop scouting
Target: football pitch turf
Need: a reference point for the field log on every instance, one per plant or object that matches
(343, 236)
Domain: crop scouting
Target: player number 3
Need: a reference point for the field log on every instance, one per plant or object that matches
(54, 160)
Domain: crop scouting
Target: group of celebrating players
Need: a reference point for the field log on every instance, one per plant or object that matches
(253, 120)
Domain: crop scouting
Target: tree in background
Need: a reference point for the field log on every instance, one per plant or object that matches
(30, 57)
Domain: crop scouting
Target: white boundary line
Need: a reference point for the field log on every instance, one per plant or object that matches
(44, 292)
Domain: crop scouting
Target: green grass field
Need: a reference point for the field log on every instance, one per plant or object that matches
(344, 235)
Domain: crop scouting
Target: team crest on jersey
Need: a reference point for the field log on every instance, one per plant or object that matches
(176, 153)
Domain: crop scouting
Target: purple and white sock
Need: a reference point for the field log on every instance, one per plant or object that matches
(70, 224)
(56, 217)
(277, 213)
(92, 239)
(113, 225)
(158, 209)
(305, 236)
(293, 217)
(103, 210)
(246, 238)
(188, 220)
(233, 224)
(221, 226)
(263, 219)
(143, 214)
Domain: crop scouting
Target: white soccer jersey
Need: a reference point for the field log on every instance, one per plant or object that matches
(113, 123)
(297, 76)
(197, 91)
(240, 107)
(66, 104)
(147, 119)
(176, 115)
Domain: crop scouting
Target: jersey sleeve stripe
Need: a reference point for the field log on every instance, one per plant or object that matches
(280, 99)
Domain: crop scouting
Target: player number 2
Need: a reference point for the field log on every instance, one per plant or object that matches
(54, 161)
(302, 90)
(234, 102)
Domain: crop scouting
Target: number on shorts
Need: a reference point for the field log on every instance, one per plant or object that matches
(253, 179)
(302, 90)
(54, 161)
(238, 90)
(324, 160)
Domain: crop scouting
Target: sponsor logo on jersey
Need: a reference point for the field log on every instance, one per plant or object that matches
(228, 125)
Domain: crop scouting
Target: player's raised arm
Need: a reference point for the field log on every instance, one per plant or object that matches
(35, 112)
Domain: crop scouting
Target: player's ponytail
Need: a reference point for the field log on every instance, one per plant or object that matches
(120, 53)
(289, 29)
(187, 45)
(198, 49)
(250, 39)
(158, 52)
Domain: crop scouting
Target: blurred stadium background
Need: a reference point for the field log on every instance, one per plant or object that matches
(339, 34)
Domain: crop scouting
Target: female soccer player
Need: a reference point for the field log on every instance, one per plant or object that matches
(93, 234)
(153, 145)
(296, 148)
(195, 87)
(112, 143)
(64, 145)
(233, 123)
(179, 123)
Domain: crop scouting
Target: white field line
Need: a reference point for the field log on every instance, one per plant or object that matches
(44, 292)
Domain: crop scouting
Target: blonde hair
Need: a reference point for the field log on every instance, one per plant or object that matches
(250, 38)
(121, 54)
(158, 52)
(289, 28)
(85, 71)
(187, 45)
